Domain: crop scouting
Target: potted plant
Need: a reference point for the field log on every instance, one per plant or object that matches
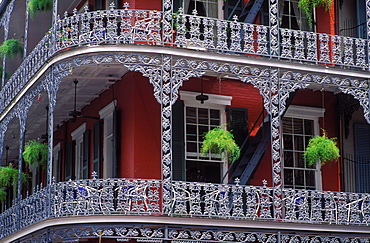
(10, 48)
(8, 177)
(321, 148)
(308, 6)
(221, 142)
(35, 153)
(35, 6)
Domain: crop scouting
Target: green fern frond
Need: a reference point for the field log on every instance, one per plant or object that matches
(35, 153)
(221, 142)
(10, 48)
(321, 148)
(35, 6)
(308, 6)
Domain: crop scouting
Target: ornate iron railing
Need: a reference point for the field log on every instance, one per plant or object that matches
(84, 197)
(144, 27)
(189, 199)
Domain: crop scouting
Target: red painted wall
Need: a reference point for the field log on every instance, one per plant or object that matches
(139, 154)
(326, 20)
(145, 4)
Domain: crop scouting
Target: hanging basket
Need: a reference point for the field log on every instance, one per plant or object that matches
(35, 153)
(221, 142)
(35, 6)
(321, 148)
(8, 177)
(11, 48)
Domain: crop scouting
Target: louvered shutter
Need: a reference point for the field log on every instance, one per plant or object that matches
(238, 123)
(362, 155)
(178, 144)
(86, 154)
(69, 161)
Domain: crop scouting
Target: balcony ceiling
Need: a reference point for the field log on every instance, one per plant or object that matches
(92, 81)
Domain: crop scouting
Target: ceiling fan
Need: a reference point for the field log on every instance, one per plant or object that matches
(75, 113)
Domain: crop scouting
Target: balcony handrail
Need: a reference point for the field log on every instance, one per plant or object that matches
(121, 196)
(145, 27)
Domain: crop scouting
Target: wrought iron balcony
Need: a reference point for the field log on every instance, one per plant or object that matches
(145, 27)
(189, 199)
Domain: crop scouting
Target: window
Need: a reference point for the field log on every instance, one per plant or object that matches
(291, 17)
(207, 8)
(200, 118)
(299, 125)
(80, 135)
(109, 140)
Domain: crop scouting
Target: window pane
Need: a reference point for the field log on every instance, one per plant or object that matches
(287, 125)
(299, 177)
(191, 115)
(202, 131)
(310, 178)
(191, 147)
(203, 116)
(298, 126)
(308, 127)
(288, 177)
(299, 162)
(288, 159)
(288, 142)
(298, 143)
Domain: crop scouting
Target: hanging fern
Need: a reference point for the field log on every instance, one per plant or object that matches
(35, 153)
(10, 48)
(308, 6)
(321, 148)
(221, 142)
(35, 6)
(9, 177)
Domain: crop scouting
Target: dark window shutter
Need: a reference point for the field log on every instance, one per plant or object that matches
(97, 159)
(118, 3)
(70, 160)
(86, 154)
(59, 167)
(115, 143)
(362, 155)
(98, 4)
(238, 123)
(178, 144)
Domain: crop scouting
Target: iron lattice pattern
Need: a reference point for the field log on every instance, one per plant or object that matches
(190, 199)
(150, 233)
(146, 27)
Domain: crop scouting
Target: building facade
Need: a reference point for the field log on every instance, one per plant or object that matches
(123, 92)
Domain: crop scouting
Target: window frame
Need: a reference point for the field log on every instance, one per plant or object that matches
(106, 114)
(77, 135)
(308, 113)
(57, 162)
(220, 11)
(298, 16)
(216, 102)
